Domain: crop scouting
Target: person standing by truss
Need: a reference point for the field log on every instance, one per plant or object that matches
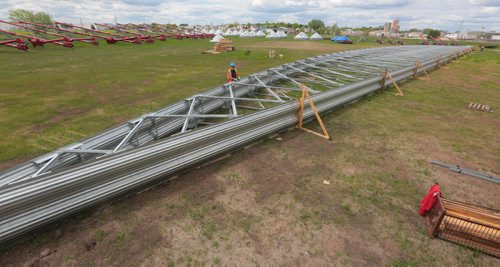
(232, 73)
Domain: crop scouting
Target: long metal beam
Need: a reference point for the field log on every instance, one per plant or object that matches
(73, 182)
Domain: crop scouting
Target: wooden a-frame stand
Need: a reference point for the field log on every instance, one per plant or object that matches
(305, 94)
(386, 75)
(415, 71)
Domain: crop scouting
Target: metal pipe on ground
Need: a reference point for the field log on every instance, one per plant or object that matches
(458, 169)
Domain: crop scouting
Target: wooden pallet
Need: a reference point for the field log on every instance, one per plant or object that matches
(479, 107)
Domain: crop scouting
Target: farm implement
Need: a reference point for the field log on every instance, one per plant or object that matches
(178, 36)
(146, 38)
(394, 41)
(35, 41)
(157, 36)
(110, 38)
(16, 43)
(90, 40)
(160, 36)
(423, 40)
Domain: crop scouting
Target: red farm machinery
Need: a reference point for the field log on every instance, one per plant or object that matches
(36, 41)
(89, 40)
(110, 38)
(14, 43)
(146, 38)
(160, 36)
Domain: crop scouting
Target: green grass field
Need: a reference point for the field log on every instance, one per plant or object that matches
(54, 96)
(266, 205)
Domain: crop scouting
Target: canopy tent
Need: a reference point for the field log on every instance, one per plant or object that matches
(244, 34)
(228, 33)
(235, 33)
(219, 31)
(272, 35)
(301, 36)
(316, 36)
(281, 34)
(260, 34)
(211, 31)
(217, 38)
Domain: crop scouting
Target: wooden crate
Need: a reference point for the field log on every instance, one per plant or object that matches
(224, 45)
(465, 224)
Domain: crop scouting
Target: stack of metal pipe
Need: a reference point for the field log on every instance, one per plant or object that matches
(160, 145)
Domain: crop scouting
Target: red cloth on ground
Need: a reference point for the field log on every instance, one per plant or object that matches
(429, 200)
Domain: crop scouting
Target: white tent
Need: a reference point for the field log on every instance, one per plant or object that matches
(219, 31)
(301, 36)
(228, 33)
(235, 33)
(216, 38)
(272, 35)
(281, 34)
(244, 34)
(260, 34)
(211, 31)
(249, 34)
(204, 31)
(316, 36)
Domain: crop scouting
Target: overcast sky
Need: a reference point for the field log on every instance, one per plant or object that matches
(441, 14)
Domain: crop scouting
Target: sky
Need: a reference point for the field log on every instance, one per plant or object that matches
(438, 14)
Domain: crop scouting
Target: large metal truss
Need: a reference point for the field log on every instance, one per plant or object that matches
(162, 144)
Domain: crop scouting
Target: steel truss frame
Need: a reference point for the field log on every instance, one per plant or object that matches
(162, 144)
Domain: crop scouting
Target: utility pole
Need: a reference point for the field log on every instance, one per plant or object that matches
(81, 22)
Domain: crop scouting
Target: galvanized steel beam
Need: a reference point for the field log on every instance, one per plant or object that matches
(68, 181)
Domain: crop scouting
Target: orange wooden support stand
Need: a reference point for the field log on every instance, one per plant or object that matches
(387, 74)
(441, 64)
(418, 65)
(305, 94)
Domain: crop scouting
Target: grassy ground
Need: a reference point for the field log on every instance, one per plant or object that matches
(54, 96)
(268, 204)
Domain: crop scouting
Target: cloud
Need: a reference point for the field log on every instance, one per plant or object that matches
(143, 2)
(486, 3)
(374, 4)
(442, 14)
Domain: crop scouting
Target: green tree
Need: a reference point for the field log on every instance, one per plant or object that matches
(426, 31)
(335, 29)
(27, 15)
(316, 24)
(435, 33)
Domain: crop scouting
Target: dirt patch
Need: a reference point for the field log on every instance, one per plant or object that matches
(147, 82)
(36, 128)
(68, 114)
